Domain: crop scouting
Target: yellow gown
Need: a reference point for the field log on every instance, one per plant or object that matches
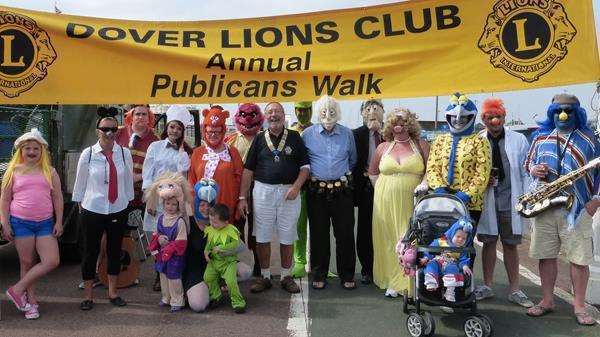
(392, 209)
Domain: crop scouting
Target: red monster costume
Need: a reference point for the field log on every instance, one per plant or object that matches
(248, 121)
(217, 160)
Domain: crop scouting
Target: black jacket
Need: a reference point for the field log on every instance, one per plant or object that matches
(361, 139)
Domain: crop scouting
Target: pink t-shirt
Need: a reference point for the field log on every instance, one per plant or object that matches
(31, 197)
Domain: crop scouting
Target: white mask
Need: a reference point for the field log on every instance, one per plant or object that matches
(329, 112)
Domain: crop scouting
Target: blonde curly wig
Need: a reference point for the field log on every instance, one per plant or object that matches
(411, 125)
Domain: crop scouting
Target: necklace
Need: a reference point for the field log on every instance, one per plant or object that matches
(280, 146)
(401, 140)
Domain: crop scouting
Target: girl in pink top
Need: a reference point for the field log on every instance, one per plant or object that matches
(31, 211)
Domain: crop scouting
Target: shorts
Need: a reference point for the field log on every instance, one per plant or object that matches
(26, 228)
(272, 212)
(550, 232)
(504, 220)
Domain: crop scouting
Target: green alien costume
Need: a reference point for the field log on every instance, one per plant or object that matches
(224, 264)
(303, 112)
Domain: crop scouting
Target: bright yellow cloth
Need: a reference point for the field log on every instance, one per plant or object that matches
(241, 144)
(472, 166)
(392, 209)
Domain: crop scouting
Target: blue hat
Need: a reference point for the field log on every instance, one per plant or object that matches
(205, 190)
(461, 106)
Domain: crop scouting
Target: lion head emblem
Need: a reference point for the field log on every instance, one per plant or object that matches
(527, 39)
(27, 53)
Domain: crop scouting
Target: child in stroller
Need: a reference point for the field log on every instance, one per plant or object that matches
(436, 220)
(449, 264)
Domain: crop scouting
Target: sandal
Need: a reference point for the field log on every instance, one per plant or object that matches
(539, 311)
(583, 318)
(315, 285)
(350, 285)
(86, 305)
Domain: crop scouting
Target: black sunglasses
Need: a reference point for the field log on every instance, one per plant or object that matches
(106, 129)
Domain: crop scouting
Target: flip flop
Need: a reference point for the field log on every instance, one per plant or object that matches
(317, 287)
(350, 287)
(538, 311)
(583, 318)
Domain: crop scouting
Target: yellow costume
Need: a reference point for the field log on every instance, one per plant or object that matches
(472, 166)
(241, 143)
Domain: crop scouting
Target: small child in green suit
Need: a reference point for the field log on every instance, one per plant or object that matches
(223, 239)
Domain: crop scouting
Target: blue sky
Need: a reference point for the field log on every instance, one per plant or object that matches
(519, 103)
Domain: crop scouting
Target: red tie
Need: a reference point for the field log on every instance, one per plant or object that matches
(377, 138)
(113, 192)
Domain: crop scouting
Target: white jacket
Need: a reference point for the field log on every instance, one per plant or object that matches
(516, 147)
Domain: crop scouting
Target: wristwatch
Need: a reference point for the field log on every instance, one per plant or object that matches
(242, 198)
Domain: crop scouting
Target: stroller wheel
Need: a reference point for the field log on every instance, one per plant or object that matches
(487, 324)
(429, 324)
(475, 327)
(415, 325)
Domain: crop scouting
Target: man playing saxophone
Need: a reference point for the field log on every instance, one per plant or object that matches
(563, 144)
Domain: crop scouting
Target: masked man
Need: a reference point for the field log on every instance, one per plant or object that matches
(332, 155)
(564, 143)
(248, 121)
(507, 183)
(137, 135)
(460, 163)
(303, 112)
(367, 138)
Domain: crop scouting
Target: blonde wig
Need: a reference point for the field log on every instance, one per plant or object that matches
(411, 125)
(44, 163)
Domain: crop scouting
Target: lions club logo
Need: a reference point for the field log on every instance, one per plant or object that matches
(25, 53)
(527, 38)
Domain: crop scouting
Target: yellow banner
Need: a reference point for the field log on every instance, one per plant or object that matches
(409, 49)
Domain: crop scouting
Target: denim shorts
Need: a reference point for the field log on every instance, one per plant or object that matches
(24, 228)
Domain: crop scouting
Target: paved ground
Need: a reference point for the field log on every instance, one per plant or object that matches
(366, 312)
(332, 312)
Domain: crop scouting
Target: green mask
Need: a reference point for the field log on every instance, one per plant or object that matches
(303, 112)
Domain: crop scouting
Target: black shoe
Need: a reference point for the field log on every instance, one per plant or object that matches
(239, 310)
(366, 279)
(213, 304)
(86, 305)
(118, 301)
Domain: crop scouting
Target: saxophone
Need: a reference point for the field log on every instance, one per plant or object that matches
(552, 194)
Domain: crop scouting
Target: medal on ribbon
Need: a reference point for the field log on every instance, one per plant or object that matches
(276, 151)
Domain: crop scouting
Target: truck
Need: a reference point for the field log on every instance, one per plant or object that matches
(68, 129)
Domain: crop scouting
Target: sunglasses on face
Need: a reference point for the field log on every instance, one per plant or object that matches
(106, 129)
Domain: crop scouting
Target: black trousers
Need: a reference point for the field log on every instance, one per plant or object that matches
(364, 232)
(94, 225)
(322, 212)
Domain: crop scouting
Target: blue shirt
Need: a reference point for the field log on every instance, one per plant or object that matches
(331, 154)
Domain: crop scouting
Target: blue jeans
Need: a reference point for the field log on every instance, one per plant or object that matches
(24, 228)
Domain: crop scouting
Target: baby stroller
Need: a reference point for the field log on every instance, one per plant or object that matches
(432, 216)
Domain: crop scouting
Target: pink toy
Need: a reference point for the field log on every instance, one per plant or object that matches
(407, 257)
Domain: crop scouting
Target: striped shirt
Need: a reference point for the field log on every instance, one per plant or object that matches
(576, 150)
(138, 153)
